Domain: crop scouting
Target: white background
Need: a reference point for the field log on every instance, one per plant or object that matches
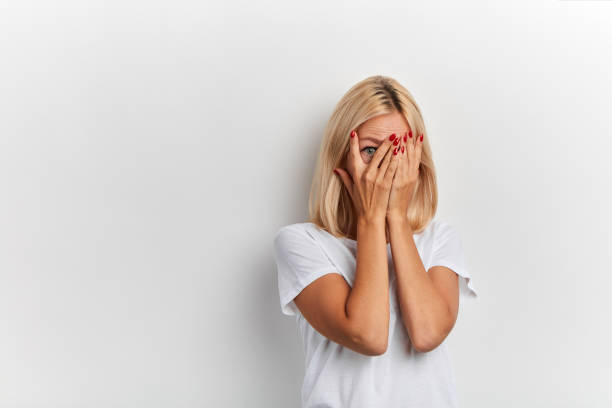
(150, 150)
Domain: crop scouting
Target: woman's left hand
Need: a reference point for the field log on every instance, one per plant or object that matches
(406, 175)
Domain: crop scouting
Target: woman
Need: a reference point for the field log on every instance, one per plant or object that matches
(373, 278)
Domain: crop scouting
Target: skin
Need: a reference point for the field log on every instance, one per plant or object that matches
(358, 317)
(381, 185)
(428, 300)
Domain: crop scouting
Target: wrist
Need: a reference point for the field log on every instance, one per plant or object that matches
(371, 220)
(398, 219)
(396, 216)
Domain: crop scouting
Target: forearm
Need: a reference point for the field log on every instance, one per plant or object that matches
(368, 302)
(424, 312)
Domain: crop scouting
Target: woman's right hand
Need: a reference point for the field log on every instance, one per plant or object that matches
(368, 184)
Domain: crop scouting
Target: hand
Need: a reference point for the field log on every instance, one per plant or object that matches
(406, 176)
(368, 184)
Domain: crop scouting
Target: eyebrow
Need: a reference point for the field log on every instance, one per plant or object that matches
(371, 139)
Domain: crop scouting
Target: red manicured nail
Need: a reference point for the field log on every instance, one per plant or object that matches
(352, 133)
(336, 171)
(410, 133)
(396, 142)
(405, 138)
(395, 151)
(392, 137)
(421, 137)
(402, 149)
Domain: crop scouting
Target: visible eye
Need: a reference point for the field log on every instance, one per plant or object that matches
(369, 150)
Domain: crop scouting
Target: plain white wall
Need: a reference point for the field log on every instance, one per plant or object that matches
(150, 150)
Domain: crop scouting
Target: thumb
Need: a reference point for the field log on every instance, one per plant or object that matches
(346, 179)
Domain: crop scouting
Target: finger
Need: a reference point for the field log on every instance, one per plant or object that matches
(385, 162)
(346, 179)
(403, 159)
(381, 151)
(411, 140)
(415, 150)
(409, 147)
(392, 169)
(418, 150)
(408, 150)
(393, 164)
(354, 161)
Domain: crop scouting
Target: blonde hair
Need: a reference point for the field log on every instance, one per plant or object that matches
(329, 203)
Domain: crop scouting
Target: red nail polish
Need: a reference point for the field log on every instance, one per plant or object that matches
(395, 151)
(336, 171)
(405, 138)
(396, 142)
(392, 137)
(402, 149)
(410, 133)
(421, 137)
(352, 133)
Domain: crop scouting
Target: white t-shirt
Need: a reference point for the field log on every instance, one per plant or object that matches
(338, 377)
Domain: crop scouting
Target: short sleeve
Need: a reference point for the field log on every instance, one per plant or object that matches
(448, 251)
(300, 260)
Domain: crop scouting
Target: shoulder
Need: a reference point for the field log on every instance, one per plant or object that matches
(299, 233)
(305, 237)
(436, 228)
(441, 227)
(445, 235)
(297, 229)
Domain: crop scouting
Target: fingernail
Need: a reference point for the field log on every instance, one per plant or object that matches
(421, 137)
(410, 133)
(352, 133)
(402, 149)
(405, 138)
(336, 171)
(395, 151)
(396, 142)
(392, 137)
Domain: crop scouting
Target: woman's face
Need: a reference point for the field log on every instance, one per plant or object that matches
(373, 132)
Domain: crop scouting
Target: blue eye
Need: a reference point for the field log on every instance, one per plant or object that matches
(368, 151)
